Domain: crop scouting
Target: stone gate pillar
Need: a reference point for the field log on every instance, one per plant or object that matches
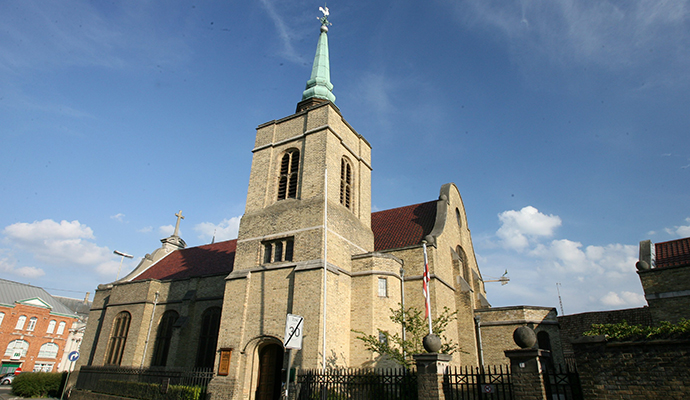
(430, 370)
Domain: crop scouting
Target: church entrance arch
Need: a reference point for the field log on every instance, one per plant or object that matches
(270, 366)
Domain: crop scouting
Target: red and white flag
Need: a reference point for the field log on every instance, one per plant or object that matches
(425, 288)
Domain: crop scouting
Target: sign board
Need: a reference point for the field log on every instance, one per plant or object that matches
(73, 356)
(224, 365)
(293, 332)
(16, 355)
(18, 371)
(488, 389)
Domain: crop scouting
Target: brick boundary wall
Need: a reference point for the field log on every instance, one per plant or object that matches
(572, 326)
(658, 369)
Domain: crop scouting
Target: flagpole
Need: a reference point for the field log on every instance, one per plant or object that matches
(325, 264)
(425, 287)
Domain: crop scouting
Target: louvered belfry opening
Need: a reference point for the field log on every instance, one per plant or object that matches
(345, 183)
(289, 167)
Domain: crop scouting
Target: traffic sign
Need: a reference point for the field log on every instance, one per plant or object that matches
(293, 332)
(488, 389)
(73, 356)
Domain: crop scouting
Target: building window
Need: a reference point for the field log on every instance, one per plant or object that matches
(17, 349)
(61, 328)
(118, 338)
(289, 168)
(208, 338)
(163, 339)
(383, 338)
(278, 250)
(32, 324)
(2, 316)
(458, 217)
(48, 350)
(20, 322)
(346, 183)
(43, 367)
(383, 287)
(51, 326)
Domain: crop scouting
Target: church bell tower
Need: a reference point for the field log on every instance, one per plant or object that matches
(308, 212)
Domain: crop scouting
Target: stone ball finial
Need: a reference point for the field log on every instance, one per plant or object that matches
(432, 343)
(642, 265)
(524, 337)
(324, 28)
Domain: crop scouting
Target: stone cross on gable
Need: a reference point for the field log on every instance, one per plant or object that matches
(177, 225)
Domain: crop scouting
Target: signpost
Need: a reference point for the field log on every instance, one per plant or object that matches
(72, 357)
(293, 340)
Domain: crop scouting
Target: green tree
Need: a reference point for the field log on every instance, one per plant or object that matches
(416, 327)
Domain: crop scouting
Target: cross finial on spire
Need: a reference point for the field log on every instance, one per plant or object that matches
(177, 225)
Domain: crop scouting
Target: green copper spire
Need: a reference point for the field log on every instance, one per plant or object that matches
(319, 85)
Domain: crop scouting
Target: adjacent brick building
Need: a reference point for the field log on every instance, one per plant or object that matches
(34, 328)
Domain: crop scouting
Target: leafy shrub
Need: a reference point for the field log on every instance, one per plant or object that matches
(148, 391)
(624, 331)
(38, 384)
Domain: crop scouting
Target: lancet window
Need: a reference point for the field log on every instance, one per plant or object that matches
(289, 169)
(118, 338)
(346, 183)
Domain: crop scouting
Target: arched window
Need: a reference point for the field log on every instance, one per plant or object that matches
(20, 322)
(61, 328)
(17, 349)
(32, 324)
(48, 350)
(208, 338)
(289, 168)
(51, 326)
(118, 338)
(346, 183)
(543, 340)
(165, 332)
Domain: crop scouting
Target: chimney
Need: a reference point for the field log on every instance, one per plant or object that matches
(86, 299)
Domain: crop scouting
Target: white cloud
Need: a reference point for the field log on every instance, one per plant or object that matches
(167, 230)
(9, 267)
(52, 243)
(118, 217)
(622, 299)
(682, 230)
(593, 277)
(145, 229)
(225, 230)
(519, 227)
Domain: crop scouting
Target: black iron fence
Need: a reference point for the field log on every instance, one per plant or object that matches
(478, 383)
(145, 383)
(357, 384)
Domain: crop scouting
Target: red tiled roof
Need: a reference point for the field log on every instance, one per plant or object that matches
(673, 253)
(210, 259)
(404, 226)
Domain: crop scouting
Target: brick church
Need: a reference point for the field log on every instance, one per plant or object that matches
(308, 245)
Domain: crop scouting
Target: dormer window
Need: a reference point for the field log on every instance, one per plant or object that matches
(289, 168)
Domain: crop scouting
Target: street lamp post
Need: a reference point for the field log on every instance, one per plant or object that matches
(119, 253)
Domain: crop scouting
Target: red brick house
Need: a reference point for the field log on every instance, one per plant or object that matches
(34, 328)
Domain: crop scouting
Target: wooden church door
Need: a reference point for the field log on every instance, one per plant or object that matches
(270, 365)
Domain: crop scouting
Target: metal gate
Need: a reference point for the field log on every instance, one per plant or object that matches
(478, 383)
(562, 383)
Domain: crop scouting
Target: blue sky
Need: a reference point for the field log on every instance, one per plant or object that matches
(564, 124)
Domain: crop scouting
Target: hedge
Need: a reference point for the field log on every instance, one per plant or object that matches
(148, 391)
(39, 384)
